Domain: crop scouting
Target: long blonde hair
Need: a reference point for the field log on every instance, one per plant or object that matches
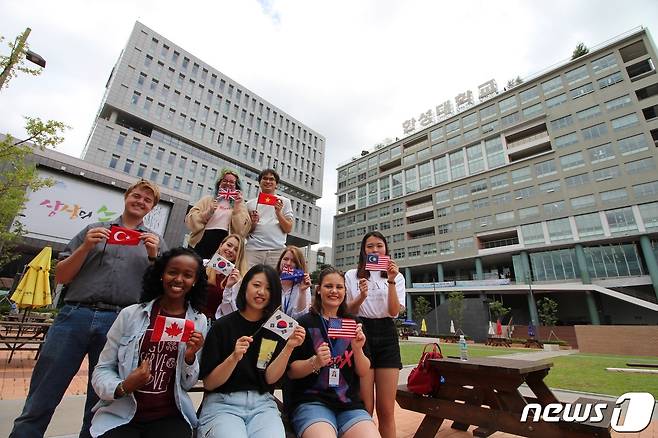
(240, 258)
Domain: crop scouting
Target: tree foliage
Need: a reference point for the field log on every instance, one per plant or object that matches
(580, 50)
(421, 308)
(14, 63)
(547, 309)
(498, 310)
(456, 308)
(19, 175)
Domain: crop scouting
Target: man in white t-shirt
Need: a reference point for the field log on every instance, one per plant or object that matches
(271, 221)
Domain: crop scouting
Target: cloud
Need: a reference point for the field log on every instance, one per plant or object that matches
(353, 71)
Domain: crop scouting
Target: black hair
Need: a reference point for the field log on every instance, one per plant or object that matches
(152, 282)
(361, 268)
(270, 172)
(316, 307)
(274, 282)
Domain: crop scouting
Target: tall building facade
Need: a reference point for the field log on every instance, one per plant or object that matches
(169, 117)
(549, 188)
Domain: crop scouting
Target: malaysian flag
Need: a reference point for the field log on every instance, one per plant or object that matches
(342, 328)
(376, 262)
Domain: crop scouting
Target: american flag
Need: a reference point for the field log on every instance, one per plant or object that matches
(376, 262)
(342, 328)
(227, 194)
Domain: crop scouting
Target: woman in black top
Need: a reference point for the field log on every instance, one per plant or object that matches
(240, 362)
(325, 372)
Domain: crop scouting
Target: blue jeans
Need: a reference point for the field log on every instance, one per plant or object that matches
(76, 331)
(243, 414)
(308, 414)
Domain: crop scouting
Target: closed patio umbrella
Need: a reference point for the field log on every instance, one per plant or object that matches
(34, 288)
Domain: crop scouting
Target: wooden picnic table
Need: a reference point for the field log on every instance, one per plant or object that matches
(484, 391)
(23, 336)
(498, 341)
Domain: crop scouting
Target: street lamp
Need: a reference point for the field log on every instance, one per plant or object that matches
(15, 55)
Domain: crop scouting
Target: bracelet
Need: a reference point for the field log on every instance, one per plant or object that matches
(313, 358)
(391, 282)
(121, 389)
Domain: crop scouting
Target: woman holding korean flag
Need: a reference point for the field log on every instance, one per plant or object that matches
(375, 290)
(150, 359)
(213, 218)
(225, 270)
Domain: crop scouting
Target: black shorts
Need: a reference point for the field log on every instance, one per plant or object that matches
(382, 338)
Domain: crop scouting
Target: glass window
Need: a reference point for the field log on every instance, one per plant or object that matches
(481, 203)
(600, 153)
(556, 101)
(647, 189)
(468, 135)
(550, 187)
(532, 233)
(581, 91)
(532, 110)
(625, 122)
(384, 189)
(442, 196)
(454, 141)
(465, 243)
(436, 134)
(499, 181)
(507, 104)
(446, 247)
(614, 196)
(488, 127)
(552, 85)
(470, 120)
(510, 119)
(610, 80)
(577, 74)
(444, 228)
(602, 64)
(613, 261)
(478, 186)
(619, 102)
(457, 169)
(554, 265)
(501, 198)
(521, 175)
(524, 193)
(566, 140)
(562, 122)
(553, 208)
(475, 158)
(559, 229)
(529, 94)
(507, 216)
(495, 152)
(595, 131)
(425, 172)
(621, 220)
(452, 126)
(644, 165)
(572, 161)
(631, 145)
(545, 168)
(589, 113)
(583, 202)
(487, 111)
(460, 191)
(462, 226)
(464, 206)
(577, 180)
(529, 212)
(649, 214)
(396, 185)
(606, 173)
(441, 174)
(589, 225)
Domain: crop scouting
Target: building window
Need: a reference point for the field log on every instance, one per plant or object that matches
(545, 168)
(606, 173)
(529, 94)
(128, 166)
(457, 168)
(647, 189)
(581, 91)
(589, 225)
(577, 180)
(464, 206)
(631, 145)
(649, 214)
(554, 208)
(446, 247)
(507, 104)
(498, 181)
(644, 165)
(556, 101)
(617, 103)
(460, 191)
(113, 161)
(559, 229)
(602, 64)
(572, 161)
(505, 217)
(554, 265)
(532, 233)
(552, 85)
(583, 202)
(610, 80)
(614, 196)
(475, 158)
(624, 122)
(465, 243)
(589, 113)
(488, 111)
(577, 74)
(529, 212)
(601, 153)
(532, 110)
(141, 170)
(495, 152)
(462, 226)
(613, 261)
(521, 175)
(562, 122)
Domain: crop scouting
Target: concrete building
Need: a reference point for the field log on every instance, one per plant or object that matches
(316, 258)
(545, 189)
(171, 118)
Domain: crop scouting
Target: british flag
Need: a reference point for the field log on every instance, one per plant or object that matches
(227, 194)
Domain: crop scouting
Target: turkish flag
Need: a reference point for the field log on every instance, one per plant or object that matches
(264, 198)
(123, 236)
(171, 329)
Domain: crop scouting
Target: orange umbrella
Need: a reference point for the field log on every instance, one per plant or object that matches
(34, 288)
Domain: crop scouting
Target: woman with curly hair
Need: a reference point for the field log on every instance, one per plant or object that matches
(142, 382)
(213, 218)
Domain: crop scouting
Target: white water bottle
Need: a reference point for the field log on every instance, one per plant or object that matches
(463, 348)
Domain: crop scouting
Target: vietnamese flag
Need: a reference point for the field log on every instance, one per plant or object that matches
(264, 198)
(171, 329)
(123, 236)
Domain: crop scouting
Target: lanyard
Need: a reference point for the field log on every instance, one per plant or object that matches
(325, 335)
(286, 301)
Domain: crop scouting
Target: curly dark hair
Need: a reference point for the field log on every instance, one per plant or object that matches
(275, 288)
(152, 282)
(361, 269)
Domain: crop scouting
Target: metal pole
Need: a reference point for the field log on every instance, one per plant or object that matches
(14, 56)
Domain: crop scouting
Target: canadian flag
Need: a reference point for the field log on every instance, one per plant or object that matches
(123, 236)
(281, 324)
(171, 329)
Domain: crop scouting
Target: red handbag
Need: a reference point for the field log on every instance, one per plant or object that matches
(423, 379)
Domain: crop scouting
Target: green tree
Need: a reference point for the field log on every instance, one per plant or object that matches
(547, 309)
(315, 275)
(19, 175)
(498, 310)
(421, 308)
(580, 50)
(456, 308)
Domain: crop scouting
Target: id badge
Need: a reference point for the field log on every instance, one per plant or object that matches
(334, 376)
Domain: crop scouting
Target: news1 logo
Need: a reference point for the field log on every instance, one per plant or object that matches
(636, 417)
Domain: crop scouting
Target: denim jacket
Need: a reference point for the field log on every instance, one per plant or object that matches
(120, 357)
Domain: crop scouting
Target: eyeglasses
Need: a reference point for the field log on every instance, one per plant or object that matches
(268, 178)
(228, 182)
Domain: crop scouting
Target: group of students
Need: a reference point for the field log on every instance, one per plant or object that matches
(138, 386)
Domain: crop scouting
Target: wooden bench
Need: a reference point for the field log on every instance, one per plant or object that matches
(532, 343)
(498, 341)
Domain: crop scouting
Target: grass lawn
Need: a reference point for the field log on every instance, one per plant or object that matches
(576, 372)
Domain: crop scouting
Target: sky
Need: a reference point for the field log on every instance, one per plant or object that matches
(352, 70)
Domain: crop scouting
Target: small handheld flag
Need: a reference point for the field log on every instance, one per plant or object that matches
(264, 198)
(220, 264)
(376, 262)
(227, 194)
(291, 274)
(170, 329)
(281, 324)
(123, 236)
(342, 328)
